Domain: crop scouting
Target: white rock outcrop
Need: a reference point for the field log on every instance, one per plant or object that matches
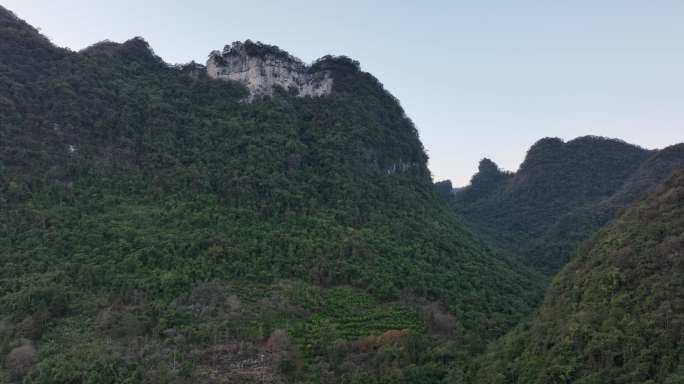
(261, 67)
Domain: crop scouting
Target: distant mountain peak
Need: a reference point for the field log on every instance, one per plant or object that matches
(136, 50)
(488, 166)
(561, 191)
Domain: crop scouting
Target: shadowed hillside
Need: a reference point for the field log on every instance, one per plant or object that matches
(562, 193)
(614, 314)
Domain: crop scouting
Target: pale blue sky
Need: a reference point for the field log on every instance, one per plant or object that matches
(479, 78)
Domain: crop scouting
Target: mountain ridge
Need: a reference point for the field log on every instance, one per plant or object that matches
(562, 192)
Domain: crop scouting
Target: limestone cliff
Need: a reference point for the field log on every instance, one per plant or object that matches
(260, 67)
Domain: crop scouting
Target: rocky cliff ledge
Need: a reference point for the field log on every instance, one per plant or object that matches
(260, 67)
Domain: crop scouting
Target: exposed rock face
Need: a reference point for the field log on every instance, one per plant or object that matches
(260, 67)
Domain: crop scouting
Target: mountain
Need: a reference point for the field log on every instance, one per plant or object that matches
(562, 193)
(551, 251)
(615, 313)
(162, 225)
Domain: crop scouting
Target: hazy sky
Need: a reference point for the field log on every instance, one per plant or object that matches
(479, 78)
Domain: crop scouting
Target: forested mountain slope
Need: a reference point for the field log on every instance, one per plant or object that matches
(561, 194)
(551, 251)
(615, 313)
(155, 227)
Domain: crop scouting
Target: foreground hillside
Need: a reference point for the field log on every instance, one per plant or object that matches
(562, 193)
(615, 313)
(156, 227)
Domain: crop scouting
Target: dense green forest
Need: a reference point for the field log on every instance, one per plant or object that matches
(160, 226)
(156, 228)
(562, 193)
(615, 313)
